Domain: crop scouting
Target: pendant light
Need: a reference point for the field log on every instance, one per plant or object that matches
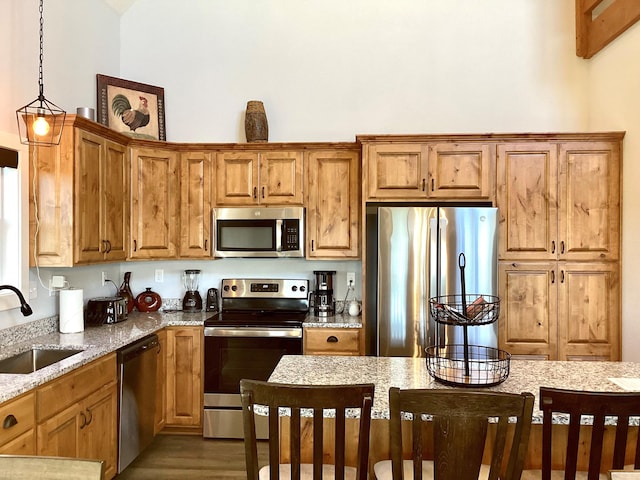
(40, 122)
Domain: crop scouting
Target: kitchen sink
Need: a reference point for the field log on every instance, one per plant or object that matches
(35, 359)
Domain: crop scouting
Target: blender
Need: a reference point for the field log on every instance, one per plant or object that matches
(192, 301)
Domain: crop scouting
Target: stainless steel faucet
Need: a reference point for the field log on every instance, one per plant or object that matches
(24, 306)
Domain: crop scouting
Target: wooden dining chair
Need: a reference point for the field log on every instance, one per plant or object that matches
(599, 406)
(316, 400)
(461, 423)
(24, 467)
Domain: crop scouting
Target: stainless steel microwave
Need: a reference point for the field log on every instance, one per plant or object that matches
(258, 232)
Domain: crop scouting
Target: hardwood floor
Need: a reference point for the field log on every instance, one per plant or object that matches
(190, 457)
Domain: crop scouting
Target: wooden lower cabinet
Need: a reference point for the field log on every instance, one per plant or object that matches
(77, 414)
(184, 377)
(560, 310)
(17, 436)
(161, 383)
(331, 341)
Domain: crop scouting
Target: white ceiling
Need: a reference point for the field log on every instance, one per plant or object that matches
(120, 6)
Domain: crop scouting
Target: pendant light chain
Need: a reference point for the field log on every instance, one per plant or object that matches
(40, 76)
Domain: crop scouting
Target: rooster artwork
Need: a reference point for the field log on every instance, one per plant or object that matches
(133, 118)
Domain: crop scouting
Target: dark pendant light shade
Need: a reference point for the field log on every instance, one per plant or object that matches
(41, 121)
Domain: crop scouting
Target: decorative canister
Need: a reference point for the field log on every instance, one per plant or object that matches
(148, 301)
(255, 122)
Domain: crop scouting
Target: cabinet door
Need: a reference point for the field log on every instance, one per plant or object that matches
(161, 383)
(52, 232)
(154, 202)
(397, 171)
(460, 170)
(281, 178)
(99, 429)
(115, 201)
(590, 206)
(528, 305)
(527, 176)
(589, 309)
(333, 207)
(237, 178)
(59, 436)
(195, 204)
(89, 169)
(184, 376)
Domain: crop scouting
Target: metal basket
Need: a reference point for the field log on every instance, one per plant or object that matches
(470, 309)
(480, 367)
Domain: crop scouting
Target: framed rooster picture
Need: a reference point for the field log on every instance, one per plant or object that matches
(131, 108)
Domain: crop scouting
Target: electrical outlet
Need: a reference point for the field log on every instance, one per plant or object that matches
(159, 275)
(33, 290)
(104, 278)
(351, 279)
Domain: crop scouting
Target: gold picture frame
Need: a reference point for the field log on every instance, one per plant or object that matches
(131, 108)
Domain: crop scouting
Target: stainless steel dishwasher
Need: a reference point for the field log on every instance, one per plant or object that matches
(137, 390)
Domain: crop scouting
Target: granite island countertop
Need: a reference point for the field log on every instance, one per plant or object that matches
(386, 372)
(94, 342)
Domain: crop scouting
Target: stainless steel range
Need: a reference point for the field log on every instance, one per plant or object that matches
(260, 320)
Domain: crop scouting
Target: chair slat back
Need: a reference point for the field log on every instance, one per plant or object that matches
(599, 406)
(299, 398)
(460, 425)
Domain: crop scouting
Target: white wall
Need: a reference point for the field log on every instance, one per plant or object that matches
(614, 93)
(329, 69)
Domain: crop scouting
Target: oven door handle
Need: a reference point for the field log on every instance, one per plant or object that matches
(254, 332)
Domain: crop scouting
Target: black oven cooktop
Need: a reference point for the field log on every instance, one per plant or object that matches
(262, 302)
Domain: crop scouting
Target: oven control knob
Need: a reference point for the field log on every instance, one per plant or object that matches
(302, 289)
(226, 288)
(294, 288)
(234, 288)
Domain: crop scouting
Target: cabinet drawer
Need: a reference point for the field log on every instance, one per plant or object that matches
(25, 444)
(332, 341)
(18, 417)
(58, 394)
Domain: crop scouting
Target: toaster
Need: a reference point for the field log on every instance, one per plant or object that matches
(103, 310)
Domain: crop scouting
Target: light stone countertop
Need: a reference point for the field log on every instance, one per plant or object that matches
(386, 372)
(94, 341)
(334, 321)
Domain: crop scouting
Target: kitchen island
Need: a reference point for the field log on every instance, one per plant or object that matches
(386, 372)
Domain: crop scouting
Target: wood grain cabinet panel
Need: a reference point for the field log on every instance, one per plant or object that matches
(161, 383)
(184, 377)
(397, 170)
(155, 196)
(333, 204)
(195, 204)
(460, 170)
(259, 178)
(17, 436)
(331, 341)
(81, 187)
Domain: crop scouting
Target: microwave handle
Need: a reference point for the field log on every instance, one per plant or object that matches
(279, 227)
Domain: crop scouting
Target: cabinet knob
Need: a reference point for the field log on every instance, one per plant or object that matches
(9, 421)
(84, 420)
(562, 247)
(553, 276)
(262, 192)
(108, 246)
(135, 245)
(553, 246)
(332, 339)
(255, 193)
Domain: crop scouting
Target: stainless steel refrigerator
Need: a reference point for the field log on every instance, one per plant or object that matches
(413, 255)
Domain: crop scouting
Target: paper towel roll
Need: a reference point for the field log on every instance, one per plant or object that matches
(71, 311)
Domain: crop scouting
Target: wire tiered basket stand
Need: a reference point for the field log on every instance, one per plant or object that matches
(466, 365)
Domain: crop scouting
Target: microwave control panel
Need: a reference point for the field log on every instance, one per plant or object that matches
(290, 234)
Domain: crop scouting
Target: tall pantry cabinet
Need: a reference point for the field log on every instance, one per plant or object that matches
(559, 229)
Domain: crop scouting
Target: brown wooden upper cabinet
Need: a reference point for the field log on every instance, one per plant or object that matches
(333, 204)
(155, 193)
(422, 170)
(81, 187)
(196, 178)
(559, 200)
(259, 178)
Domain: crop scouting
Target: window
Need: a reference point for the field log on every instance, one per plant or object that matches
(13, 221)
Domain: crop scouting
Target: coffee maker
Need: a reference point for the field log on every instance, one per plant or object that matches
(192, 301)
(324, 304)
